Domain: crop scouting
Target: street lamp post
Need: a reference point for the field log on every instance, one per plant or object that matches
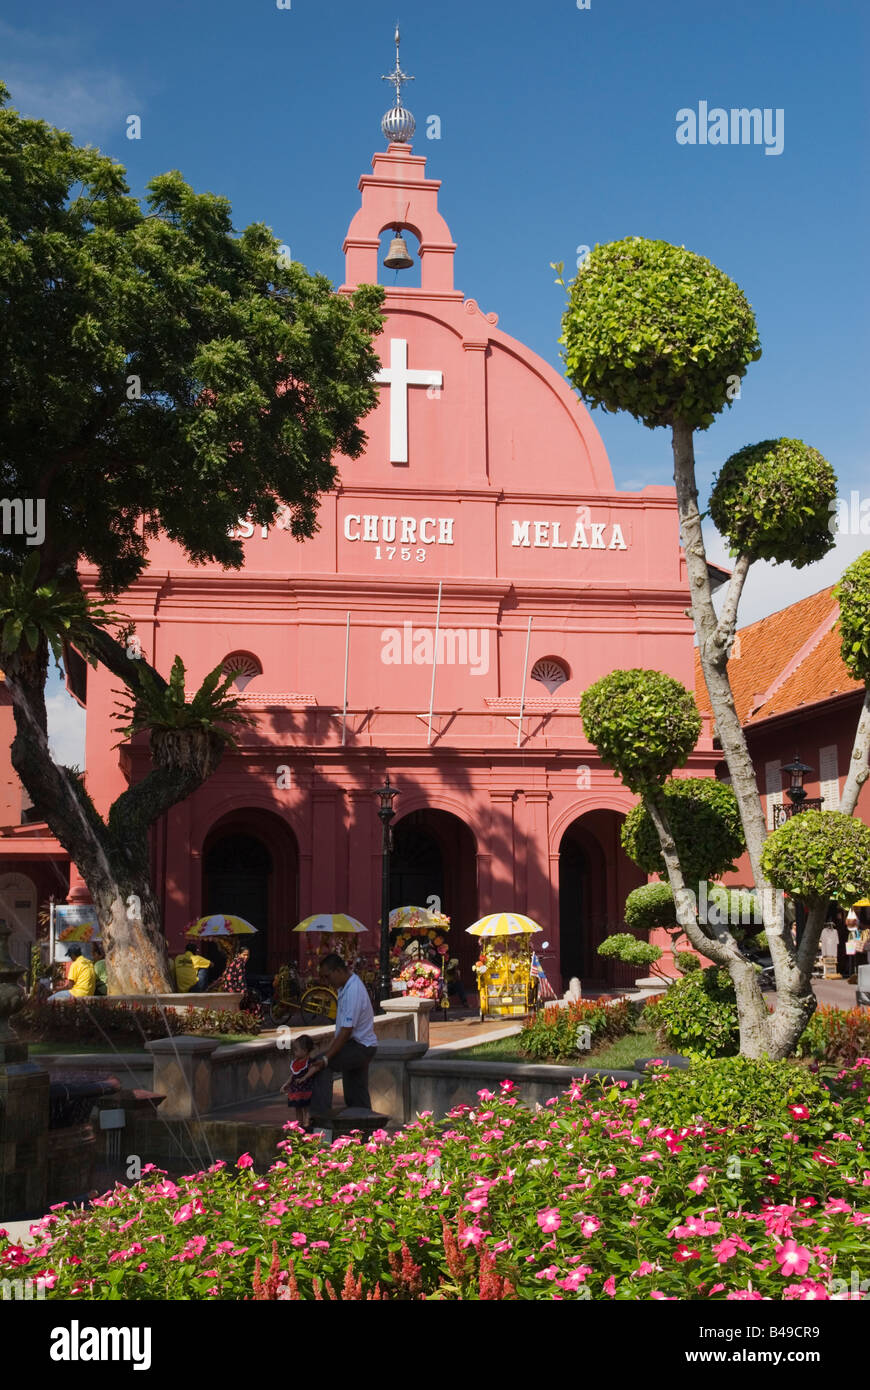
(797, 795)
(386, 814)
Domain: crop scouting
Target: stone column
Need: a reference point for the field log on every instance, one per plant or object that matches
(419, 1009)
(23, 1105)
(182, 1074)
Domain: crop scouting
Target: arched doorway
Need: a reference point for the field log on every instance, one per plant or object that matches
(18, 906)
(595, 877)
(435, 856)
(249, 868)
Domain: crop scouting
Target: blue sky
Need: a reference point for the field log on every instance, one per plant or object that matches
(557, 130)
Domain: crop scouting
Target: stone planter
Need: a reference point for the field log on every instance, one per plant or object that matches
(72, 1142)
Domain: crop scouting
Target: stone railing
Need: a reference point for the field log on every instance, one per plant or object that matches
(198, 1076)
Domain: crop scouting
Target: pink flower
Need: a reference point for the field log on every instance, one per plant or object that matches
(728, 1247)
(549, 1273)
(298, 1238)
(610, 1287)
(507, 1087)
(549, 1220)
(472, 1235)
(575, 1278)
(223, 1247)
(800, 1112)
(792, 1258)
(699, 1183)
(589, 1225)
(245, 1161)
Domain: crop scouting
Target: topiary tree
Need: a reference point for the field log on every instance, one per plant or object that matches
(651, 907)
(705, 822)
(670, 719)
(660, 332)
(773, 499)
(820, 856)
(623, 946)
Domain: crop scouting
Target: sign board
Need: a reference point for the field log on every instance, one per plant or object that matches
(76, 922)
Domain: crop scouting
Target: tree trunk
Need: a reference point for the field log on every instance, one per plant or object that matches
(759, 1032)
(112, 858)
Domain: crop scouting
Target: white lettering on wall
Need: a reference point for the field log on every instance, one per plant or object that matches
(548, 535)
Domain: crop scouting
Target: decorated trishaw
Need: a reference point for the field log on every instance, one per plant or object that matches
(419, 953)
(299, 987)
(508, 977)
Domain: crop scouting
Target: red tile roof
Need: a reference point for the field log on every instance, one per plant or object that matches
(785, 661)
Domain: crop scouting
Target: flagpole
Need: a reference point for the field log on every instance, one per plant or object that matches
(346, 667)
(523, 692)
(434, 662)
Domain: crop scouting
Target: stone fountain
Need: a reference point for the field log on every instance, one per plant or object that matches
(24, 1110)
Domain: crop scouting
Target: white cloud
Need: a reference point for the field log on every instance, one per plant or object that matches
(46, 83)
(66, 729)
(771, 587)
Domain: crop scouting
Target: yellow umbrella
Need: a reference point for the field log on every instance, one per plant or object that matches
(220, 924)
(330, 923)
(862, 902)
(504, 924)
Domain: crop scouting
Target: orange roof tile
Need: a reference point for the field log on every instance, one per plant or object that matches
(785, 661)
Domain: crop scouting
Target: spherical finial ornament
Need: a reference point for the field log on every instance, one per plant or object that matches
(399, 125)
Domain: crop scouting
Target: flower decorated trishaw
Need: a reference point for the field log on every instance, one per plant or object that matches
(507, 982)
(300, 987)
(419, 952)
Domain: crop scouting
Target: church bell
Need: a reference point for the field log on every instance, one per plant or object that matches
(398, 258)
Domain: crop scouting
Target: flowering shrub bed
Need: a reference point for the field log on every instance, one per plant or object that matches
(593, 1196)
(91, 1019)
(551, 1034)
(836, 1035)
(698, 1015)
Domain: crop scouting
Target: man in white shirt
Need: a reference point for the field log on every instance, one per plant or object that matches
(355, 1041)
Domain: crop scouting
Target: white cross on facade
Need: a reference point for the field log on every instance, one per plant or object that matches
(399, 379)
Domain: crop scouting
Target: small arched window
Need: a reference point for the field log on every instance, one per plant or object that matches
(243, 666)
(551, 672)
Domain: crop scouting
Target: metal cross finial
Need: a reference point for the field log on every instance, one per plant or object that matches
(398, 77)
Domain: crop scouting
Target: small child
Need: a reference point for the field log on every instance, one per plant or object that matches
(299, 1086)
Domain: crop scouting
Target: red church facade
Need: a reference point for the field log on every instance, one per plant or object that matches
(474, 572)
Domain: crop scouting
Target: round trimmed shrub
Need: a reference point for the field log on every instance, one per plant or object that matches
(773, 501)
(698, 1015)
(658, 331)
(650, 906)
(628, 948)
(819, 855)
(853, 595)
(643, 723)
(706, 826)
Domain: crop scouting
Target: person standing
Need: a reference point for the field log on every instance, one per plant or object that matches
(355, 1041)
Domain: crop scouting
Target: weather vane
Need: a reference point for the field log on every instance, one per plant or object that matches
(398, 125)
(397, 77)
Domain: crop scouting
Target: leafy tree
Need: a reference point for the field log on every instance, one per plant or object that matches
(660, 332)
(159, 374)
